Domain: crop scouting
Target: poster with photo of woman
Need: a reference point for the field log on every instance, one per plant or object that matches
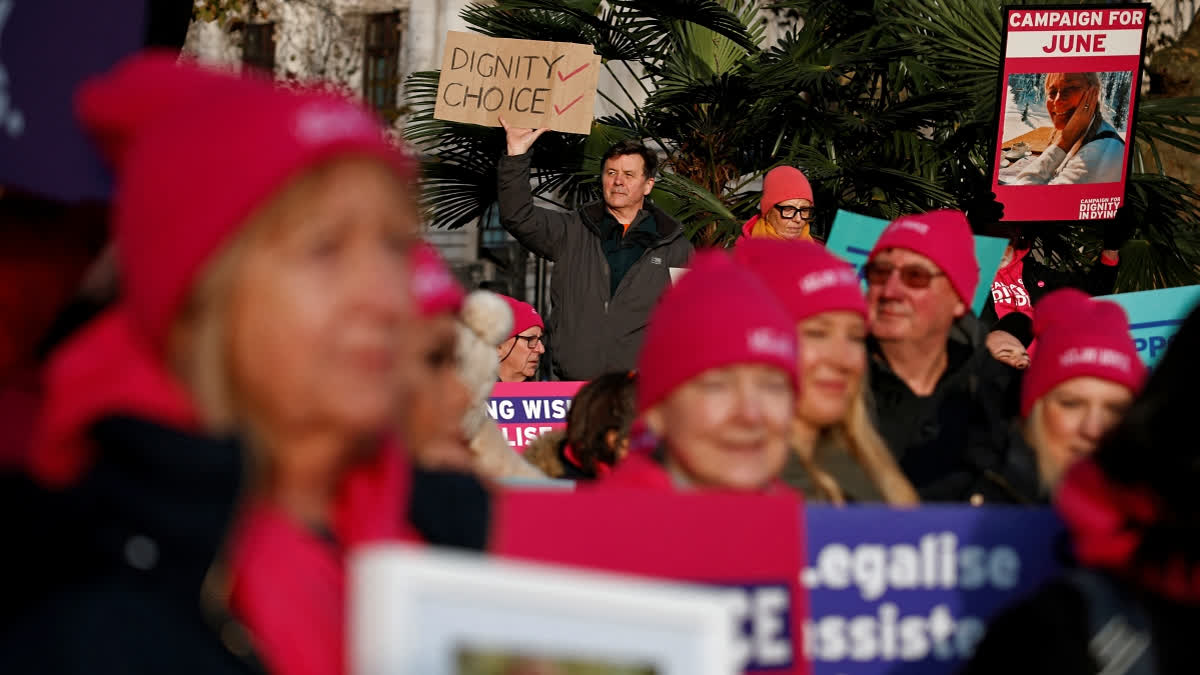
(1066, 120)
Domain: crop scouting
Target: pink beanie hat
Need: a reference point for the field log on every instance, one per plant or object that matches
(943, 236)
(434, 289)
(719, 314)
(1079, 337)
(804, 276)
(181, 193)
(781, 184)
(524, 316)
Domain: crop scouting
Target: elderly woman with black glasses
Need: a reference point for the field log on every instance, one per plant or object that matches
(522, 351)
(786, 208)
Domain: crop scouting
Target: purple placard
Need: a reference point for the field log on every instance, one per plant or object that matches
(47, 47)
(909, 591)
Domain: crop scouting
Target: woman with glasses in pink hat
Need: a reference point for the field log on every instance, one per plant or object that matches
(786, 208)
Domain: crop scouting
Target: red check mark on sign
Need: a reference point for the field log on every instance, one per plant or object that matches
(567, 107)
(573, 73)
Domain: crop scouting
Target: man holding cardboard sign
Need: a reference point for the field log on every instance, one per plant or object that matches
(613, 256)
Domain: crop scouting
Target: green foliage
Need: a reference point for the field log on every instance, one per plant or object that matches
(219, 10)
(887, 105)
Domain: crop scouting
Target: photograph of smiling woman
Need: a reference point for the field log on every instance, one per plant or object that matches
(1083, 148)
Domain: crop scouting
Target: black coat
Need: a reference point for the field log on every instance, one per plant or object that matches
(107, 575)
(1048, 634)
(954, 445)
(1039, 280)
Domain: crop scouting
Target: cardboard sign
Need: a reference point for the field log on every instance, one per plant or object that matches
(1068, 88)
(533, 84)
(43, 59)
(526, 410)
(911, 590)
(1155, 316)
(853, 236)
(750, 547)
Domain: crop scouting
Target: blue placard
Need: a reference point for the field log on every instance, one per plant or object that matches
(909, 591)
(1155, 316)
(853, 235)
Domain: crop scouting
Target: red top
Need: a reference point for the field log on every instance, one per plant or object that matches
(289, 580)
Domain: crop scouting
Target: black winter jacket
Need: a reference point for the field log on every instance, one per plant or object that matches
(1040, 280)
(591, 331)
(954, 445)
(106, 577)
(1048, 634)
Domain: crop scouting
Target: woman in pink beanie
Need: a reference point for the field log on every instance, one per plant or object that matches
(1084, 375)
(786, 208)
(717, 384)
(265, 296)
(840, 456)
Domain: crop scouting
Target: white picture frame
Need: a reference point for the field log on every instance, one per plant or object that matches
(413, 609)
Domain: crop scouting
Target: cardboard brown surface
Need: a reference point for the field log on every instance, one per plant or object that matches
(530, 83)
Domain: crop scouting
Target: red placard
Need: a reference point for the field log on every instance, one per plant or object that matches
(1060, 155)
(526, 410)
(749, 545)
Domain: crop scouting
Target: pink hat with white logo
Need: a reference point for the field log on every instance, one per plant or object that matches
(804, 276)
(718, 315)
(1079, 337)
(524, 316)
(943, 236)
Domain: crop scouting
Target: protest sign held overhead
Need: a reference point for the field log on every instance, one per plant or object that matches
(530, 83)
(1068, 90)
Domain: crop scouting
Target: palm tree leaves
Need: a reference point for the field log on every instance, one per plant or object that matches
(888, 106)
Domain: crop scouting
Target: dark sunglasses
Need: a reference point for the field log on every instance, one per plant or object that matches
(789, 212)
(913, 276)
(531, 341)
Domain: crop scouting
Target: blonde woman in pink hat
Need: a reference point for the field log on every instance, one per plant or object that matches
(840, 457)
(786, 209)
(717, 385)
(1084, 375)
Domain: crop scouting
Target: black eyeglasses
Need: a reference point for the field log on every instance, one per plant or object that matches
(531, 341)
(789, 212)
(913, 275)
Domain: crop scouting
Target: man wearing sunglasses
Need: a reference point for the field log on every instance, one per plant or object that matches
(942, 403)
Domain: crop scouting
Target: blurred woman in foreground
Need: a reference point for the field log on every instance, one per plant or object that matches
(1082, 379)
(1133, 513)
(265, 273)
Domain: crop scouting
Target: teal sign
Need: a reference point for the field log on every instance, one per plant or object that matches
(854, 235)
(1155, 316)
